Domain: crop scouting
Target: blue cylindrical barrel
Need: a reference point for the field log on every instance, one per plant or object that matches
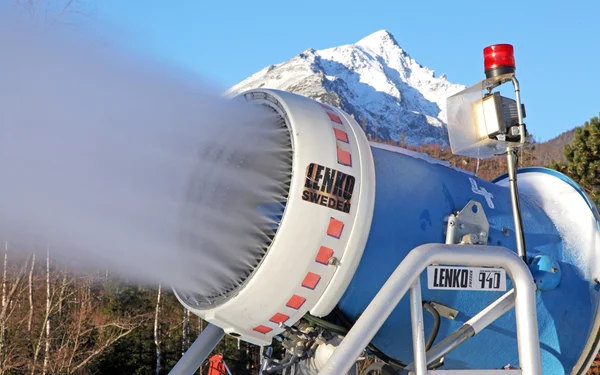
(414, 198)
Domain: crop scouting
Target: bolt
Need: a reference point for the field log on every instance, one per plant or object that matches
(451, 223)
(333, 261)
(505, 231)
(474, 239)
(483, 234)
(462, 226)
(554, 270)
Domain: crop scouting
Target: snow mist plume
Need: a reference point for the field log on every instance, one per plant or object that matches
(117, 163)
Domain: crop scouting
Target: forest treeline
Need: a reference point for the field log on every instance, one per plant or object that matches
(55, 320)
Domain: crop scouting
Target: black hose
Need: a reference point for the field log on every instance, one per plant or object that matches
(285, 363)
(341, 316)
(436, 325)
(327, 325)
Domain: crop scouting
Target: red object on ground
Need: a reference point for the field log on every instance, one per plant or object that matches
(499, 56)
(216, 365)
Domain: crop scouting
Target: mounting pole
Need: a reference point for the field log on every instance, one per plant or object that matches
(511, 159)
(516, 205)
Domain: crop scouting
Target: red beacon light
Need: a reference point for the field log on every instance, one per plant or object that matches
(499, 60)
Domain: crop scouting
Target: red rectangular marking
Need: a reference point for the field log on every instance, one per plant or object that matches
(341, 135)
(262, 329)
(311, 280)
(296, 302)
(279, 318)
(335, 228)
(344, 157)
(324, 255)
(335, 118)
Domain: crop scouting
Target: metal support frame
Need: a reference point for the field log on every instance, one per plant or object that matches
(407, 275)
(472, 327)
(418, 330)
(189, 363)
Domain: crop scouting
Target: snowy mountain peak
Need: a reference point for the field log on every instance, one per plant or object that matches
(378, 39)
(389, 93)
(307, 52)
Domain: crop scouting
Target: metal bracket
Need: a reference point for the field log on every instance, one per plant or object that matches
(470, 226)
(445, 311)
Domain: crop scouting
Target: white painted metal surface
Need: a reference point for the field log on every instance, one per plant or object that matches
(304, 226)
(362, 221)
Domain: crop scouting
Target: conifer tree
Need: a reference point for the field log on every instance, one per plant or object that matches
(583, 158)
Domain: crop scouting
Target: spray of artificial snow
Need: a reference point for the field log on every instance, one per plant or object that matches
(115, 162)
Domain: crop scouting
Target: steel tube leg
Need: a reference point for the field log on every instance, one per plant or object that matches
(190, 362)
(418, 333)
(527, 331)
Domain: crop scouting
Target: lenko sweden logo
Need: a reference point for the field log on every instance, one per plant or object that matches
(466, 278)
(328, 187)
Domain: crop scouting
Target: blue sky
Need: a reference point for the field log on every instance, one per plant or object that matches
(557, 43)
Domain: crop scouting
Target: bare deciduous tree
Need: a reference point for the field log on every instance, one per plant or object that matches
(8, 351)
(48, 306)
(82, 332)
(185, 330)
(157, 329)
(3, 321)
(30, 319)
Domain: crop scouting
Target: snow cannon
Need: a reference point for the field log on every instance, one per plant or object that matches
(383, 252)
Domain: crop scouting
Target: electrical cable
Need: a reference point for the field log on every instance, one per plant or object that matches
(436, 324)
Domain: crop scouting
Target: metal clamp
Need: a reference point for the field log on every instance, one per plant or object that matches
(470, 226)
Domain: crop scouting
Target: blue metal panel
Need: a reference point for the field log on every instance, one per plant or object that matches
(413, 199)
